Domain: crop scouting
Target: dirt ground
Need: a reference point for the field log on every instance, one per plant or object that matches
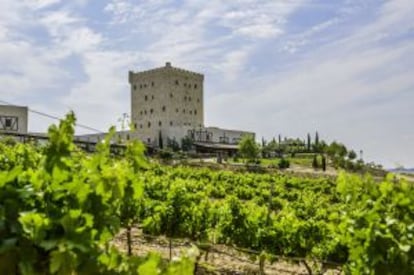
(219, 260)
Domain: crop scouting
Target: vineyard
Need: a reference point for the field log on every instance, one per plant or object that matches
(61, 208)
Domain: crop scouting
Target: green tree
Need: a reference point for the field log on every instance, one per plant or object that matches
(160, 141)
(315, 164)
(186, 144)
(316, 139)
(248, 148)
(323, 163)
(352, 155)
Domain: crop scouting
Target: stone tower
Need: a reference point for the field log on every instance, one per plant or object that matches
(164, 99)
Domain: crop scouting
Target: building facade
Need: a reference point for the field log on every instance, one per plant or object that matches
(167, 104)
(163, 99)
(13, 119)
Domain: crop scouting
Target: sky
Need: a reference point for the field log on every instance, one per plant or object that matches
(344, 68)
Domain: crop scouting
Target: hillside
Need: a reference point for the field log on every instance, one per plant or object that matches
(77, 212)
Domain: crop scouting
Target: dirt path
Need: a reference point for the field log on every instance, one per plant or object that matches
(219, 260)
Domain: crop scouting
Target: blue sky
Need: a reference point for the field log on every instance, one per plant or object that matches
(344, 68)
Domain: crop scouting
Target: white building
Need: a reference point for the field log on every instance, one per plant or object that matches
(13, 119)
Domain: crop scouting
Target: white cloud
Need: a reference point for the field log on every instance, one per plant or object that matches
(358, 81)
(40, 4)
(182, 33)
(104, 97)
(355, 89)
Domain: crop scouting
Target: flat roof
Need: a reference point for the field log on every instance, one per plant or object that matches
(223, 146)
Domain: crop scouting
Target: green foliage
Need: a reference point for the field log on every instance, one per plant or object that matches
(283, 163)
(352, 155)
(186, 144)
(248, 148)
(173, 144)
(315, 164)
(60, 208)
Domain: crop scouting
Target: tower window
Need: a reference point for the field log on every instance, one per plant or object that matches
(151, 111)
(183, 111)
(149, 124)
(171, 123)
(145, 85)
(8, 123)
(177, 83)
(176, 110)
(145, 112)
(140, 86)
(135, 126)
(163, 108)
(195, 86)
(171, 95)
(140, 113)
(159, 123)
(198, 100)
(195, 112)
(191, 112)
(189, 98)
(146, 98)
(185, 98)
(135, 87)
(152, 97)
(140, 126)
(149, 140)
(152, 84)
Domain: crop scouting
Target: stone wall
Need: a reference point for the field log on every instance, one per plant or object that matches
(165, 98)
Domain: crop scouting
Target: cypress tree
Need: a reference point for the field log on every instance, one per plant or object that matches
(315, 164)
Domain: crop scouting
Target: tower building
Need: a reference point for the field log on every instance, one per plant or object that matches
(164, 99)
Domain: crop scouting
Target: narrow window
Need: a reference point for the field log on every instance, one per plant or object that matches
(176, 110)
(140, 113)
(135, 87)
(195, 86)
(159, 123)
(183, 111)
(149, 140)
(149, 124)
(145, 112)
(152, 84)
(140, 126)
(171, 95)
(171, 123)
(195, 112)
(151, 111)
(198, 100)
(163, 108)
(189, 98)
(127, 137)
(8, 122)
(152, 97)
(146, 97)
(185, 98)
(145, 85)
(135, 126)
(177, 83)
(191, 112)
(140, 86)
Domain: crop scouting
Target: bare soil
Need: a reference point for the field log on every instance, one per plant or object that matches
(219, 259)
